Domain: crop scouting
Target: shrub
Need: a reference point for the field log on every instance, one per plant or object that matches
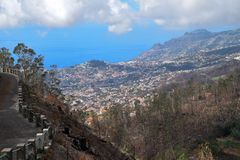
(182, 157)
(215, 147)
(235, 132)
(205, 152)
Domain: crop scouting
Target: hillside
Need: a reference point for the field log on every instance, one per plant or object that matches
(31, 107)
(72, 140)
(191, 43)
(96, 84)
(182, 107)
(198, 119)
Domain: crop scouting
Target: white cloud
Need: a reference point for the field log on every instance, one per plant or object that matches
(53, 13)
(182, 13)
(119, 15)
(42, 34)
(120, 28)
(10, 13)
(60, 13)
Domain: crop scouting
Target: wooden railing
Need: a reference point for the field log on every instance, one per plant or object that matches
(15, 72)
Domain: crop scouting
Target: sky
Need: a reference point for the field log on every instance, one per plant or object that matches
(69, 32)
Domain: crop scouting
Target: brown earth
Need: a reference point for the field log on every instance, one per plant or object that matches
(62, 148)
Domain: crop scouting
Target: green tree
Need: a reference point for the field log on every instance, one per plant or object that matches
(5, 58)
(53, 80)
(25, 60)
(32, 66)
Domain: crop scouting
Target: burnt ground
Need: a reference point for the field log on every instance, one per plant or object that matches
(63, 147)
(14, 128)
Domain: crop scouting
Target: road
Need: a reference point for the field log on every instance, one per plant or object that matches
(14, 128)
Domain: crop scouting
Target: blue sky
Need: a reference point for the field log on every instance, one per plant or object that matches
(69, 32)
(79, 43)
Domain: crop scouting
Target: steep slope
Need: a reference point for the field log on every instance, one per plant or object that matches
(191, 43)
(70, 134)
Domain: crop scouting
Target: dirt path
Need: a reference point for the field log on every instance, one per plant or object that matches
(14, 128)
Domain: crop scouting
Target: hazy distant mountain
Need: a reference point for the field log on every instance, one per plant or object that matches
(191, 43)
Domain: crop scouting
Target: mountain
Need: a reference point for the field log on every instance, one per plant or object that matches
(97, 84)
(183, 82)
(191, 43)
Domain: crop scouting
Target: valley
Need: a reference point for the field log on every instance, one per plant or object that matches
(97, 85)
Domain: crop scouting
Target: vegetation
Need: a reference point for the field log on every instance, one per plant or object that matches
(5, 58)
(31, 66)
(177, 120)
(175, 125)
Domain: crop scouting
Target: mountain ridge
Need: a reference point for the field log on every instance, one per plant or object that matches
(95, 84)
(190, 43)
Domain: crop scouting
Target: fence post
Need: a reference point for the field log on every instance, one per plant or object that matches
(22, 151)
(10, 70)
(30, 115)
(24, 110)
(43, 121)
(39, 142)
(31, 149)
(37, 119)
(46, 136)
(8, 152)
